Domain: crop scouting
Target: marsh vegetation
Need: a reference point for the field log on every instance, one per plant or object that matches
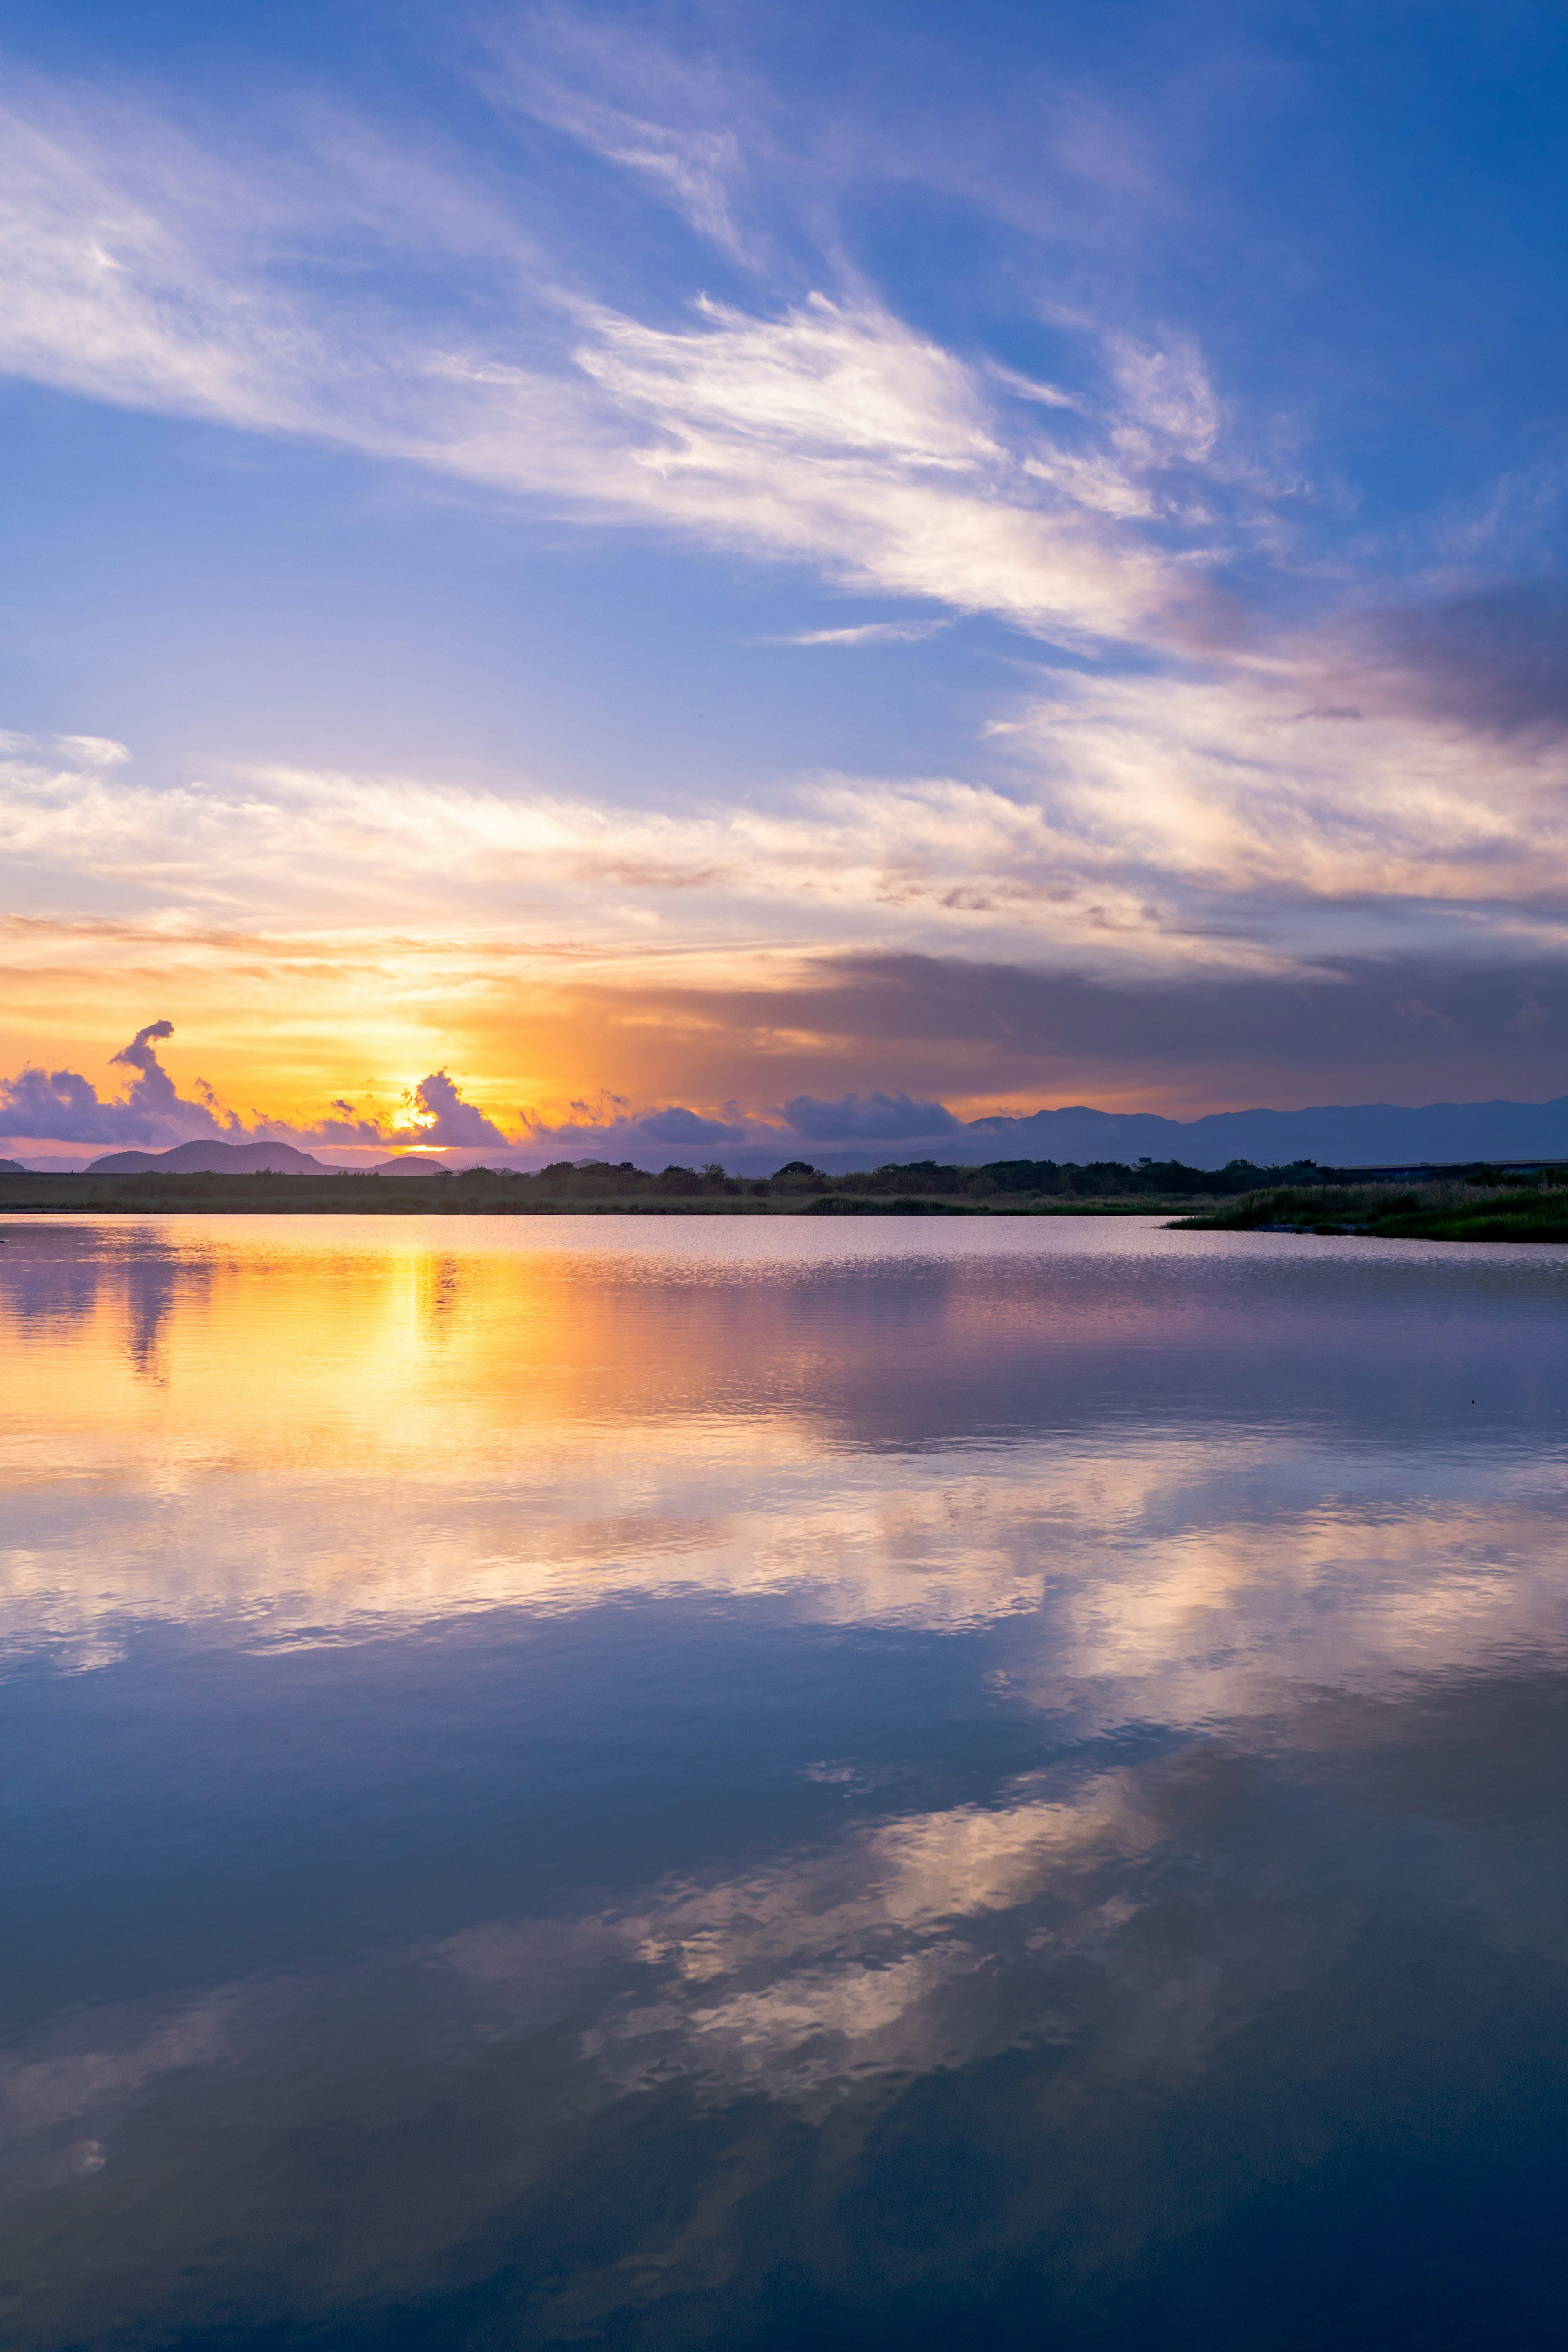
(1480, 1204)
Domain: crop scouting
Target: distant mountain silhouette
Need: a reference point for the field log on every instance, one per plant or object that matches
(1337, 1135)
(213, 1160)
(11, 1168)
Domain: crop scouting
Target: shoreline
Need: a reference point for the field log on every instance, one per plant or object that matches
(1483, 1205)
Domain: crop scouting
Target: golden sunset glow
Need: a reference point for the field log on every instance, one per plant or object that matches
(521, 1416)
(784, 1176)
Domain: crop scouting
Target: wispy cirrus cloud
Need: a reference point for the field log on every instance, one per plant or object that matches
(143, 267)
(868, 632)
(682, 125)
(1200, 792)
(335, 854)
(1192, 821)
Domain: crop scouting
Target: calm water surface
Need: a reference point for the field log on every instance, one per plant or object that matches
(741, 1785)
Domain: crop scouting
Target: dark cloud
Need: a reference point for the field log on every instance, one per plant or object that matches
(876, 1116)
(1495, 661)
(752, 1143)
(676, 1124)
(1408, 1030)
(672, 1127)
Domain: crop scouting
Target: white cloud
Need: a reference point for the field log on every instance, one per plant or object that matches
(1201, 807)
(1263, 785)
(1170, 410)
(696, 169)
(138, 268)
(291, 853)
(106, 294)
(686, 126)
(1223, 817)
(869, 633)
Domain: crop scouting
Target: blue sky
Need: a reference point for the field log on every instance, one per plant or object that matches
(729, 557)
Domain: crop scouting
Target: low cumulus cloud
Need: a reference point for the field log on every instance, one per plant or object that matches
(65, 1107)
(627, 1133)
(851, 1121)
(856, 1118)
(438, 1115)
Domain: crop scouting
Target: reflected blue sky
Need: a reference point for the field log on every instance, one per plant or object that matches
(750, 1785)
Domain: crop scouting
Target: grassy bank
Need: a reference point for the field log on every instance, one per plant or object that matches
(1484, 1206)
(310, 1196)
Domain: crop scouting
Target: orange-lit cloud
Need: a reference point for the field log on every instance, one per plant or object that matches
(1185, 801)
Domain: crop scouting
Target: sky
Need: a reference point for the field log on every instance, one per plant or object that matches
(646, 579)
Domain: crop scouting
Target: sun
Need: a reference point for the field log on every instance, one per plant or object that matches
(416, 1115)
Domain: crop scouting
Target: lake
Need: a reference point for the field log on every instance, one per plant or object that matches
(741, 1785)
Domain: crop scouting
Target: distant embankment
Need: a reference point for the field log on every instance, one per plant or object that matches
(923, 1187)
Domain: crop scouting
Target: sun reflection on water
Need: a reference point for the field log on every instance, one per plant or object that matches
(537, 1710)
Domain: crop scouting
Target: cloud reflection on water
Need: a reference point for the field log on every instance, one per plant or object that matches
(280, 1441)
(1228, 1540)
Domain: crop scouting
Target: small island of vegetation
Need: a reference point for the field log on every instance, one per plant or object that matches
(1481, 1203)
